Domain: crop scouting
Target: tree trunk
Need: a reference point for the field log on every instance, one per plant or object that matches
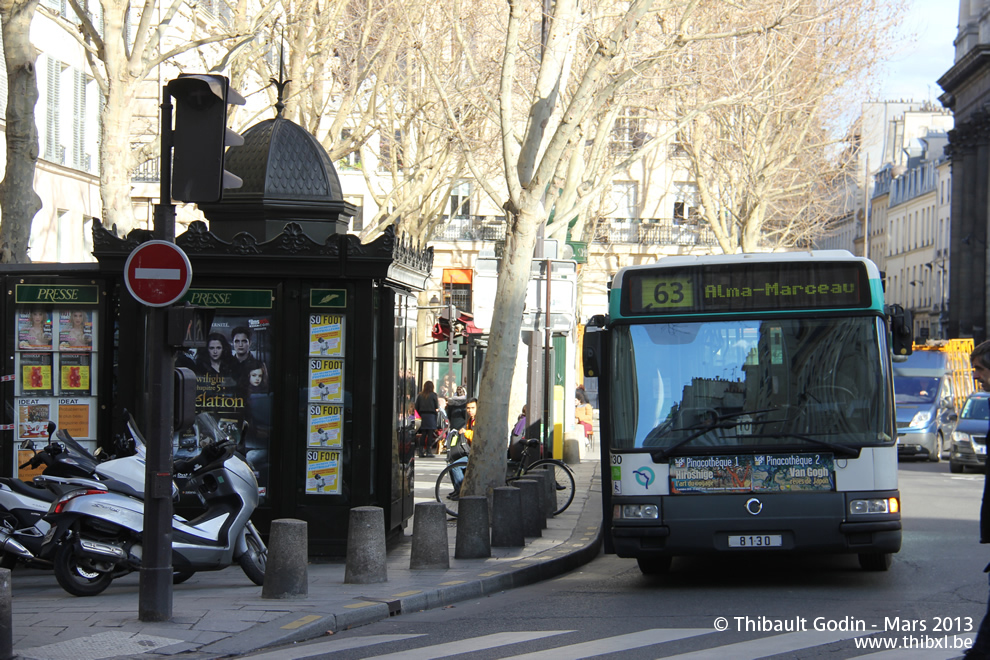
(486, 469)
(18, 200)
(115, 159)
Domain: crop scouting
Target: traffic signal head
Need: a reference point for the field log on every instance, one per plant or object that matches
(201, 136)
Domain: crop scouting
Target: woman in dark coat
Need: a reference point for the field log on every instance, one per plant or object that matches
(427, 405)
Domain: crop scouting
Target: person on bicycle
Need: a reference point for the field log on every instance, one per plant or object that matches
(459, 450)
(427, 405)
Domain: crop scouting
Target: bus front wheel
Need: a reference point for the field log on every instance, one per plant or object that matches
(654, 565)
(875, 561)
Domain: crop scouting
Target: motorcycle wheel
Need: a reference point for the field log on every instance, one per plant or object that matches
(254, 560)
(76, 578)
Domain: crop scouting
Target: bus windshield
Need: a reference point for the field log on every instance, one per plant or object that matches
(704, 387)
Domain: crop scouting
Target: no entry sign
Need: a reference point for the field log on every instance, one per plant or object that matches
(157, 273)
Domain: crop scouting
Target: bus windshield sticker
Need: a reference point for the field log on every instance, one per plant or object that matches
(747, 287)
(746, 473)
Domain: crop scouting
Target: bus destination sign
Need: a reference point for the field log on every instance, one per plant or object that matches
(747, 288)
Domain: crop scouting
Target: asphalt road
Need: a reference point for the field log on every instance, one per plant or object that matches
(769, 606)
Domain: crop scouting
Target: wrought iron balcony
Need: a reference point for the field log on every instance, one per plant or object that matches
(653, 231)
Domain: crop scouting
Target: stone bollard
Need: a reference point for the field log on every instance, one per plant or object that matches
(6, 616)
(532, 509)
(474, 538)
(366, 546)
(429, 543)
(507, 518)
(286, 574)
(541, 477)
(572, 448)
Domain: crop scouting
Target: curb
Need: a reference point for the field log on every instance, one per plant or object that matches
(304, 626)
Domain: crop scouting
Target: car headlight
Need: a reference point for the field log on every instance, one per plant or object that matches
(636, 511)
(884, 505)
(921, 419)
(962, 438)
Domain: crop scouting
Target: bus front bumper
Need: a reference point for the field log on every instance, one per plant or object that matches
(794, 522)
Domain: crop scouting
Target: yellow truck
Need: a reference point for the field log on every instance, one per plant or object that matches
(930, 387)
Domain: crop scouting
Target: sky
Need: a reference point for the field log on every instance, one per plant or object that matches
(926, 36)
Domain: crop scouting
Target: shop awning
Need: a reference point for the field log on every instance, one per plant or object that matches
(458, 275)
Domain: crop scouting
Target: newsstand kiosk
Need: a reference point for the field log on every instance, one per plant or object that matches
(309, 363)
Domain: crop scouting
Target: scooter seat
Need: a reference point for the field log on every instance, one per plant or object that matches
(30, 490)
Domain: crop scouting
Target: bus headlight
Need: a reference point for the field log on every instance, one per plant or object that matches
(636, 511)
(921, 419)
(885, 505)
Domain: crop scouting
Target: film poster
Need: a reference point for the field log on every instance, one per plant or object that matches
(322, 472)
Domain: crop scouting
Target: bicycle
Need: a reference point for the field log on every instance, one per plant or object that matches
(515, 470)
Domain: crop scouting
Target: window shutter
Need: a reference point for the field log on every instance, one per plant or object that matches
(79, 120)
(53, 151)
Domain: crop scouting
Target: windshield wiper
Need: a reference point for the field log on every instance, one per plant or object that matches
(843, 451)
(716, 422)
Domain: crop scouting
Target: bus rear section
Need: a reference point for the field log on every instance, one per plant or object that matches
(747, 428)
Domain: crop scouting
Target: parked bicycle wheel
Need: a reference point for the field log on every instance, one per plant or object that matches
(445, 491)
(562, 477)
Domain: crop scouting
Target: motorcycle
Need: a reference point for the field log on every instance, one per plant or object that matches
(96, 537)
(68, 466)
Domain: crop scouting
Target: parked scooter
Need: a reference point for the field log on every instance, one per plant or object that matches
(68, 466)
(96, 537)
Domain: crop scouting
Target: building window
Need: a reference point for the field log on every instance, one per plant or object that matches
(457, 288)
(624, 200)
(357, 220)
(54, 151)
(353, 159)
(629, 133)
(460, 200)
(391, 152)
(685, 203)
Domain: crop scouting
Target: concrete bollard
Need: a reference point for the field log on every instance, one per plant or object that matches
(541, 478)
(549, 488)
(532, 509)
(366, 546)
(286, 574)
(572, 448)
(429, 542)
(6, 616)
(474, 538)
(507, 518)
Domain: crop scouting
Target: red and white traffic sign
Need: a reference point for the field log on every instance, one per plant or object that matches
(157, 273)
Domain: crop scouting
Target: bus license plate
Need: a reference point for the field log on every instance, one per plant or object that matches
(755, 540)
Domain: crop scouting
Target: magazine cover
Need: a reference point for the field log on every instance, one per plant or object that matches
(75, 330)
(32, 419)
(325, 422)
(34, 329)
(326, 333)
(35, 372)
(322, 472)
(326, 380)
(74, 374)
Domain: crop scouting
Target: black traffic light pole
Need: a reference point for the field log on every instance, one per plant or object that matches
(155, 590)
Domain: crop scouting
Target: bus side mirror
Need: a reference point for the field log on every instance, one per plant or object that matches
(901, 334)
(592, 353)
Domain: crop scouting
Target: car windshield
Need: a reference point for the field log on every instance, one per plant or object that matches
(705, 386)
(915, 389)
(976, 408)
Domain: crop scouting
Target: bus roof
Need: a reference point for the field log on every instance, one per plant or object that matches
(752, 257)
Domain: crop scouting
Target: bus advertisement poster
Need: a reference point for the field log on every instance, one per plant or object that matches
(326, 380)
(746, 473)
(322, 472)
(793, 472)
(710, 474)
(325, 422)
(326, 332)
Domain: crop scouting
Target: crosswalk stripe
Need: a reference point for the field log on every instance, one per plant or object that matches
(917, 654)
(471, 644)
(309, 650)
(613, 644)
(760, 648)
